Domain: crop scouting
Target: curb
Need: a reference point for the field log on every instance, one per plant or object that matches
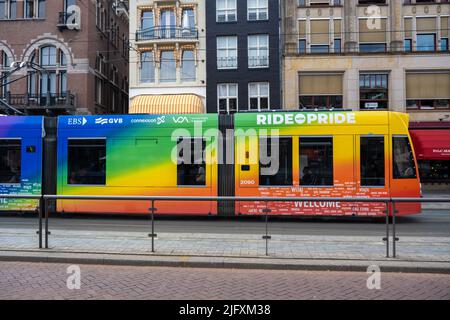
(390, 265)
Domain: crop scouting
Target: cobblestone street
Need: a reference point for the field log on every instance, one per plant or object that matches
(48, 281)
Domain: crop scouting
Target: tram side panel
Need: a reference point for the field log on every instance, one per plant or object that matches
(337, 182)
(137, 156)
(20, 161)
(317, 158)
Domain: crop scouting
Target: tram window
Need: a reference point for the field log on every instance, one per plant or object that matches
(275, 170)
(191, 165)
(87, 162)
(372, 161)
(316, 161)
(403, 159)
(10, 161)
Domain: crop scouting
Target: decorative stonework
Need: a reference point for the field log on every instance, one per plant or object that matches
(8, 50)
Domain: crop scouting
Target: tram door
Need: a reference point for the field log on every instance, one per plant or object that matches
(405, 179)
(343, 181)
(372, 172)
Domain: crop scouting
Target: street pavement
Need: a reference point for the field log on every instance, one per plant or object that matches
(25, 280)
(430, 223)
(424, 237)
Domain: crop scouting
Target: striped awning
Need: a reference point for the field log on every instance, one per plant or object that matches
(167, 104)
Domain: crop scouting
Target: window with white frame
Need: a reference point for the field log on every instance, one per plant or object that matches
(34, 9)
(147, 67)
(226, 10)
(168, 69)
(227, 52)
(8, 9)
(48, 56)
(258, 51)
(257, 10)
(51, 84)
(188, 66)
(258, 96)
(4, 70)
(227, 96)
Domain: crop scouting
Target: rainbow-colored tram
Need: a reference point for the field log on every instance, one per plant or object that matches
(318, 154)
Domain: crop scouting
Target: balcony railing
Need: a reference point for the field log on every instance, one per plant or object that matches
(39, 101)
(294, 51)
(227, 63)
(258, 62)
(168, 32)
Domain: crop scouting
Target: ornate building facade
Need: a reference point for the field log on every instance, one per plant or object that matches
(374, 55)
(167, 55)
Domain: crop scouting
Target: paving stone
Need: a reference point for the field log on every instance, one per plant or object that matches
(20, 280)
(365, 248)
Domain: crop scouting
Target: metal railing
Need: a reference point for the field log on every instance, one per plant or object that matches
(292, 50)
(65, 100)
(389, 203)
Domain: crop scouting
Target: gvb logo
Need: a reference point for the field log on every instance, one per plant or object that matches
(73, 18)
(374, 280)
(74, 280)
(110, 121)
(101, 121)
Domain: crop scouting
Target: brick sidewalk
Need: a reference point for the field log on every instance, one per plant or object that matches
(48, 281)
(232, 245)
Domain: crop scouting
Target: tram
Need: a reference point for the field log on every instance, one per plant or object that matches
(332, 154)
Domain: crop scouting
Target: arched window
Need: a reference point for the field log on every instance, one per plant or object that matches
(51, 84)
(48, 56)
(4, 69)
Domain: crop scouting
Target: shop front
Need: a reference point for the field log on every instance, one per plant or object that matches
(431, 142)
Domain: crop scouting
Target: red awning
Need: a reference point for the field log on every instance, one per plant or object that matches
(431, 144)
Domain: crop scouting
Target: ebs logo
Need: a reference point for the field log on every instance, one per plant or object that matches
(76, 121)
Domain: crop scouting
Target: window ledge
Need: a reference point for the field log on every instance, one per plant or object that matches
(23, 19)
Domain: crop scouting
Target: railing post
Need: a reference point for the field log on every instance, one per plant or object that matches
(46, 223)
(386, 239)
(41, 210)
(153, 234)
(266, 237)
(394, 237)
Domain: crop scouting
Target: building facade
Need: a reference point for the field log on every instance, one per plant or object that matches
(374, 55)
(167, 55)
(243, 55)
(74, 56)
